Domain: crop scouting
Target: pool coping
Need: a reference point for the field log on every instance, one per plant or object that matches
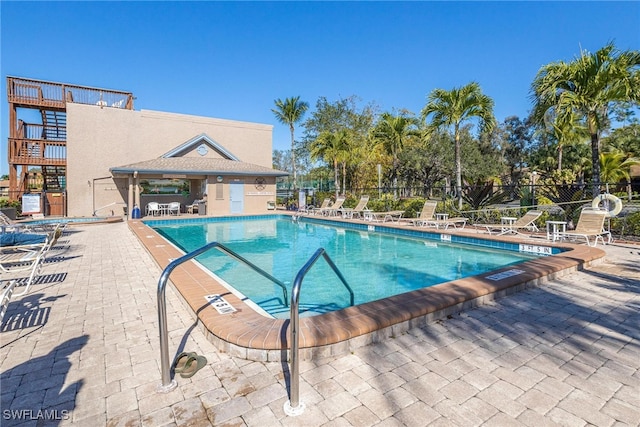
(247, 334)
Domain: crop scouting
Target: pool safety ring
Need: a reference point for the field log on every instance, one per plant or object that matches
(612, 200)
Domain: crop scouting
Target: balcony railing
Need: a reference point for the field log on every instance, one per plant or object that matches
(38, 131)
(39, 152)
(39, 93)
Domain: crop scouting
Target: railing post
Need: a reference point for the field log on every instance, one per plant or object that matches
(165, 366)
(293, 406)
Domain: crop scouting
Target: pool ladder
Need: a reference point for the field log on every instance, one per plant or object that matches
(293, 406)
(168, 384)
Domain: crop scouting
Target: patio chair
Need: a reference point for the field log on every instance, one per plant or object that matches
(457, 221)
(5, 220)
(393, 216)
(325, 204)
(27, 255)
(514, 225)
(333, 209)
(193, 207)
(427, 213)
(7, 287)
(173, 208)
(153, 209)
(590, 224)
(358, 210)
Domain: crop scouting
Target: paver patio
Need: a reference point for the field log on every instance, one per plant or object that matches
(82, 349)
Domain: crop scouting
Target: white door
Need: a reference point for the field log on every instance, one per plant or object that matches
(236, 194)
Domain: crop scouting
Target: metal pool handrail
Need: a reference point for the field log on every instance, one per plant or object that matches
(294, 407)
(167, 384)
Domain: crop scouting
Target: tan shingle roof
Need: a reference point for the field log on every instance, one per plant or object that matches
(197, 166)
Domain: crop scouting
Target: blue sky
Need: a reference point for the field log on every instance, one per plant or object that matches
(233, 59)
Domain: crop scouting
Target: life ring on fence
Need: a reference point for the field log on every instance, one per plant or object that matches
(617, 204)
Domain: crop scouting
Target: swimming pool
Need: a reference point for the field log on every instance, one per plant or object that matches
(376, 264)
(245, 333)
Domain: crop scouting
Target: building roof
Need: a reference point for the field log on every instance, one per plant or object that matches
(203, 138)
(196, 166)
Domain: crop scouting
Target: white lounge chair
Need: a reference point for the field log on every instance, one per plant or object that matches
(590, 224)
(393, 216)
(334, 208)
(325, 204)
(514, 225)
(426, 214)
(457, 221)
(27, 256)
(358, 210)
(6, 287)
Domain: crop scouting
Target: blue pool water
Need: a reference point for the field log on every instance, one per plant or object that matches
(376, 265)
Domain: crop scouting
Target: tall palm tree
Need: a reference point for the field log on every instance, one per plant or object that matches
(567, 133)
(588, 86)
(393, 132)
(290, 112)
(452, 108)
(333, 148)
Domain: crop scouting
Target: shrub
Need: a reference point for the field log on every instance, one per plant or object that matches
(5, 203)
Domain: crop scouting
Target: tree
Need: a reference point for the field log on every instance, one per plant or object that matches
(452, 108)
(393, 132)
(333, 149)
(518, 138)
(616, 166)
(334, 117)
(566, 133)
(589, 87)
(290, 112)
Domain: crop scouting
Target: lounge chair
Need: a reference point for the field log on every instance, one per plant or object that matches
(457, 221)
(7, 287)
(358, 210)
(426, 214)
(27, 256)
(334, 208)
(590, 224)
(393, 216)
(514, 225)
(325, 204)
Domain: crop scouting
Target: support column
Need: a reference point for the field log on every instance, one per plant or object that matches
(130, 203)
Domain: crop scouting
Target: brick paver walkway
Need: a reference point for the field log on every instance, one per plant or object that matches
(82, 349)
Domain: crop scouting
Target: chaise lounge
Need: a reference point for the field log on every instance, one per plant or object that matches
(590, 224)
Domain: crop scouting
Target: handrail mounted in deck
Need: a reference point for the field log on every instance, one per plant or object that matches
(293, 406)
(167, 383)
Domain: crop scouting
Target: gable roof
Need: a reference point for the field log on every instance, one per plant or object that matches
(195, 142)
(196, 166)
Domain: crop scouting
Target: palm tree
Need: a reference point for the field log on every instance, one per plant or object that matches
(567, 134)
(333, 148)
(452, 108)
(615, 167)
(290, 112)
(393, 132)
(588, 87)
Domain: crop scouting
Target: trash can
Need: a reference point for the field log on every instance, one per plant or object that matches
(202, 208)
(135, 212)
